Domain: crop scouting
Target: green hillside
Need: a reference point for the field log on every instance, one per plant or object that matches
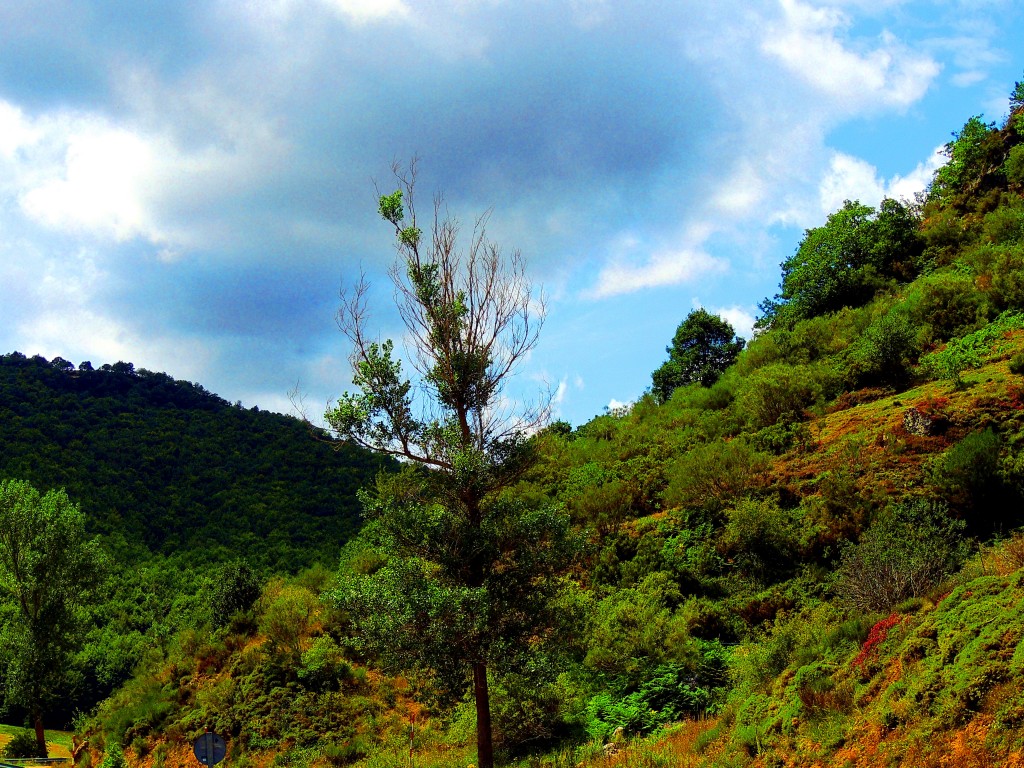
(164, 466)
(804, 550)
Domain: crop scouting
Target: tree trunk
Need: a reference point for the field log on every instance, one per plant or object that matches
(484, 747)
(40, 733)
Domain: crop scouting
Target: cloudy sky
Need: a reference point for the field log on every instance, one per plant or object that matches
(186, 186)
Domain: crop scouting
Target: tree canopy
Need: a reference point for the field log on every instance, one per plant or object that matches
(846, 261)
(703, 346)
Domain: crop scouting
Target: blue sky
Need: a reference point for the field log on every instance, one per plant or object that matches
(186, 186)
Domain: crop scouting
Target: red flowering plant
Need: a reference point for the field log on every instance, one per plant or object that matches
(875, 638)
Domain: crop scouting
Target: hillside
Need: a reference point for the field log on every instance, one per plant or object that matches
(806, 552)
(164, 466)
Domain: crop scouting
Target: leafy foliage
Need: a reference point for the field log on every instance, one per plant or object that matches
(22, 745)
(235, 590)
(703, 346)
(708, 553)
(48, 570)
(970, 158)
(843, 263)
(460, 589)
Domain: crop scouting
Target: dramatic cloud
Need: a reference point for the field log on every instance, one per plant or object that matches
(186, 185)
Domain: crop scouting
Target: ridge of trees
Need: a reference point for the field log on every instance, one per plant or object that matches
(161, 465)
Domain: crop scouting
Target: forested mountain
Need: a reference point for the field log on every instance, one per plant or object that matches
(804, 552)
(164, 466)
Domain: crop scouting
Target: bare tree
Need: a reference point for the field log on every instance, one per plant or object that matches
(471, 317)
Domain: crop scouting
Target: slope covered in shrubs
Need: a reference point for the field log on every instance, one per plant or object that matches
(798, 553)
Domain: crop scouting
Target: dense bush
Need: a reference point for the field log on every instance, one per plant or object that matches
(903, 554)
(780, 393)
(969, 351)
(1005, 225)
(22, 744)
(1014, 167)
(236, 589)
(888, 348)
(763, 540)
(1008, 277)
(946, 304)
(709, 474)
(671, 692)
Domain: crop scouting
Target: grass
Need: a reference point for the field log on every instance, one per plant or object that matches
(58, 743)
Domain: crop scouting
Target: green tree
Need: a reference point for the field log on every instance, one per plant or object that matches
(1017, 106)
(971, 156)
(236, 589)
(466, 566)
(704, 345)
(48, 570)
(845, 262)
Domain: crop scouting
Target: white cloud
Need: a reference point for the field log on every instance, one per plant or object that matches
(86, 175)
(968, 78)
(663, 268)
(668, 266)
(57, 313)
(274, 12)
(739, 318)
(364, 11)
(852, 178)
(849, 178)
(807, 42)
(618, 405)
(99, 185)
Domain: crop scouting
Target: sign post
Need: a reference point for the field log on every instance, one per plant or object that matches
(210, 749)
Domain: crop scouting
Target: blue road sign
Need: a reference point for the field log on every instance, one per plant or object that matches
(210, 749)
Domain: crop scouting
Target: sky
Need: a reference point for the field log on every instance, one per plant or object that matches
(188, 186)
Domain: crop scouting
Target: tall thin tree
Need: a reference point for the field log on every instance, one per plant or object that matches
(471, 317)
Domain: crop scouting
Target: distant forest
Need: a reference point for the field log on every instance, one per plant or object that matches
(161, 465)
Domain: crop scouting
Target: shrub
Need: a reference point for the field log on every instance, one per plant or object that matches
(23, 745)
(1008, 277)
(763, 539)
(236, 590)
(712, 473)
(1014, 166)
(888, 348)
(779, 438)
(947, 303)
(114, 758)
(323, 665)
(1006, 223)
(904, 554)
(973, 476)
(968, 351)
(288, 617)
(781, 392)
(346, 752)
(671, 692)
(1017, 363)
